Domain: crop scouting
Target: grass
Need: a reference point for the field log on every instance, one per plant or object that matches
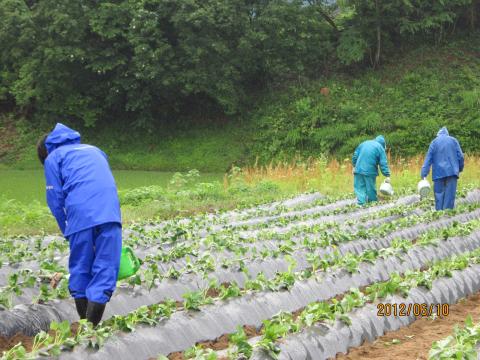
(210, 149)
(335, 177)
(165, 197)
(161, 195)
(27, 186)
(206, 149)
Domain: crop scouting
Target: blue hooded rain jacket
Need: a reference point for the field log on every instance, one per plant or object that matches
(81, 191)
(444, 155)
(369, 155)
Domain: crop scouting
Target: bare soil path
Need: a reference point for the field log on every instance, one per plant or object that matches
(414, 342)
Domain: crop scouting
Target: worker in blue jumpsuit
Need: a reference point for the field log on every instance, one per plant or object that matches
(82, 195)
(368, 156)
(445, 156)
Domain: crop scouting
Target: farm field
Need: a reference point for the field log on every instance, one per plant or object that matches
(302, 278)
(237, 136)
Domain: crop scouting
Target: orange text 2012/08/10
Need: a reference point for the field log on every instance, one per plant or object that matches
(402, 309)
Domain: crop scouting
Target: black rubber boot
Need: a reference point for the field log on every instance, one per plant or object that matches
(95, 312)
(81, 305)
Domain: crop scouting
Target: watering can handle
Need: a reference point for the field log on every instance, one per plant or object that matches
(135, 259)
(137, 262)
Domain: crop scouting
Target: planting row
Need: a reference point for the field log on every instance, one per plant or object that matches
(126, 300)
(222, 245)
(180, 327)
(24, 286)
(20, 250)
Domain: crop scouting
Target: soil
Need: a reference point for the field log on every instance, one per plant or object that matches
(213, 293)
(175, 356)
(220, 343)
(6, 343)
(417, 339)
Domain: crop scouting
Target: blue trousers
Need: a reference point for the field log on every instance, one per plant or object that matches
(94, 262)
(445, 190)
(365, 188)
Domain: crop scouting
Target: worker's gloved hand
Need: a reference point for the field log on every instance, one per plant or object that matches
(387, 180)
(55, 279)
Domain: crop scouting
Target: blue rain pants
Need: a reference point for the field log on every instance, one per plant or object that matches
(365, 188)
(94, 262)
(445, 189)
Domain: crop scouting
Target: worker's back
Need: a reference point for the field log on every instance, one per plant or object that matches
(369, 155)
(447, 156)
(82, 174)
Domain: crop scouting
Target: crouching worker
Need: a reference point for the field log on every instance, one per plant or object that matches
(445, 156)
(82, 195)
(368, 156)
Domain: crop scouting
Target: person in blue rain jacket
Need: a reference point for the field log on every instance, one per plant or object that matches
(445, 156)
(368, 156)
(82, 195)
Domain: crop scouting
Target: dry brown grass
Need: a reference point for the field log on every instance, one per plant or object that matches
(335, 177)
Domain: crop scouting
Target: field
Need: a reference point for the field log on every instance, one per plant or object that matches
(147, 195)
(229, 127)
(29, 185)
(303, 278)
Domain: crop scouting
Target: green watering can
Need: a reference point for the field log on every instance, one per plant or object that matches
(129, 263)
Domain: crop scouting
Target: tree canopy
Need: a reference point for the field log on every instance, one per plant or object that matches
(145, 62)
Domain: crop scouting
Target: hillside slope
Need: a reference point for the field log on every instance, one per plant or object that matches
(407, 100)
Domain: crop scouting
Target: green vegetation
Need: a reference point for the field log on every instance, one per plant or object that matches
(462, 344)
(172, 86)
(29, 185)
(213, 85)
(407, 100)
(143, 63)
(284, 323)
(191, 193)
(184, 194)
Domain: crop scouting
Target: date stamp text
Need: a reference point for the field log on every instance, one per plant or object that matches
(417, 310)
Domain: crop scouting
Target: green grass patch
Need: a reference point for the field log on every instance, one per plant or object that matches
(29, 185)
(170, 196)
(158, 196)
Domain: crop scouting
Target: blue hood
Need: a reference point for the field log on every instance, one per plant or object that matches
(61, 135)
(443, 131)
(381, 140)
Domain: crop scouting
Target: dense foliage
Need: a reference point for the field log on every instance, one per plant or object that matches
(145, 62)
(408, 101)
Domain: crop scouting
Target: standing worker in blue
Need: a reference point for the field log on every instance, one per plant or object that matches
(445, 156)
(82, 195)
(368, 156)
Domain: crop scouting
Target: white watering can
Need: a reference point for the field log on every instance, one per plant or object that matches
(386, 188)
(423, 188)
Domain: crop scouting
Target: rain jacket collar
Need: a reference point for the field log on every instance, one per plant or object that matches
(61, 135)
